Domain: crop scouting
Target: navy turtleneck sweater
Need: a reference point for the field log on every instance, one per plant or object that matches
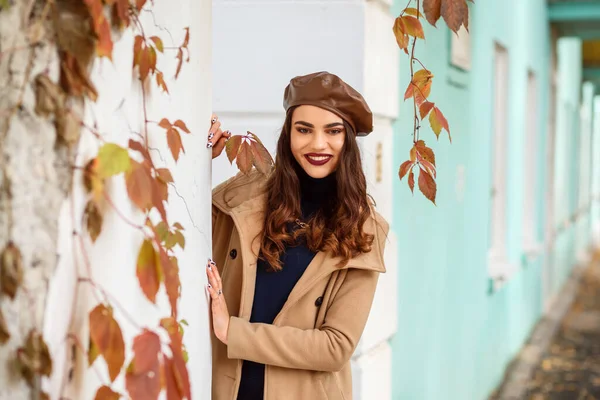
(273, 288)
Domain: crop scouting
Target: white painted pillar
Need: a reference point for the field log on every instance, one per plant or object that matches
(112, 259)
(595, 214)
(352, 39)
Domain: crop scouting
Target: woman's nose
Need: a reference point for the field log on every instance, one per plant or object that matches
(319, 141)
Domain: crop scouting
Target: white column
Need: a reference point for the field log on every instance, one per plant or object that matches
(596, 173)
(112, 259)
(352, 39)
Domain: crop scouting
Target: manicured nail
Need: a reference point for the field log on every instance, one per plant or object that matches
(212, 262)
(208, 285)
(212, 135)
(209, 145)
(214, 120)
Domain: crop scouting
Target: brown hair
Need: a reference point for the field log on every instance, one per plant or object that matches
(337, 229)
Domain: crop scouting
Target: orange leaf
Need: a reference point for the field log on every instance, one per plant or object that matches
(170, 271)
(139, 4)
(104, 44)
(413, 11)
(174, 141)
(400, 34)
(147, 272)
(139, 185)
(158, 43)
(232, 147)
(137, 49)
(179, 62)
(181, 125)
(411, 181)
(425, 107)
(438, 121)
(122, 7)
(142, 379)
(164, 123)
(144, 63)
(106, 393)
(160, 81)
(244, 156)
(261, 158)
(178, 368)
(405, 168)
(427, 185)
(455, 13)
(152, 56)
(425, 152)
(106, 334)
(93, 220)
(413, 27)
(429, 167)
(160, 194)
(139, 147)
(186, 39)
(165, 175)
(432, 10)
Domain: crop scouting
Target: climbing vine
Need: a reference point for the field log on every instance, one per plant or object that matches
(408, 28)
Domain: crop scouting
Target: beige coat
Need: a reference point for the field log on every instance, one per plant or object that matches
(308, 347)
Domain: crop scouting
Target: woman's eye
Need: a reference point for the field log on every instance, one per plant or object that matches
(302, 130)
(335, 131)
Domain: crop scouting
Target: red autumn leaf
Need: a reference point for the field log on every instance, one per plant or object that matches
(425, 107)
(104, 44)
(179, 62)
(158, 43)
(455, 13)
(174, 142)
(139, 147)
(244, 156)
(144, 63)
(411, 181)
(122, 7)
(165, 124)
(142, 379)
(160, 194)
(413, 27)
(147, 271)
(427, 185)
(181, 125)
(261, 158)
(232, 147)
(106, 334)
(93, 219)
(405, 168)
(425, 152)
(432, 10)
(420, 86)
(178, 367)
(160, 81)
(438, 121)
(153, 56)
(74, 79)
(139, 4)
(171, 385)
(186, 39)
(139, 185)
(400, 34)
(106, 393)
(413, 11)
(429, 167)
(170, 271)
(165, 175)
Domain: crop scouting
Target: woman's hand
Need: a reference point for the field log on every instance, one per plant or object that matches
(220, 314)
(216, 137)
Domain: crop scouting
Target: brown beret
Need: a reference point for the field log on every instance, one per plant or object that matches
(328, 91)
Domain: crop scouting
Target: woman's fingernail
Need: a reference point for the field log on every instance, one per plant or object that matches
(211, 135)
(209, 145)
(214, 120)
(208, 285)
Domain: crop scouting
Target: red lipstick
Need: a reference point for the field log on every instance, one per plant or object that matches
(323, 158)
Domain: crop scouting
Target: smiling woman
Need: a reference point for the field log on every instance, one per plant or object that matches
(288, 314)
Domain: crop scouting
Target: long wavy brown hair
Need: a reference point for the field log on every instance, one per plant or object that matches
(336, 228)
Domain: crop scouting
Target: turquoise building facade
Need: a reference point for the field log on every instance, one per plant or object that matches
(518, 194)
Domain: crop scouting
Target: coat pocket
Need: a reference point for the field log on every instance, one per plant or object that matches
(223, 387)
(330, 386)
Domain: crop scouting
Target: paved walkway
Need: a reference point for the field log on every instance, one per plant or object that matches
(568, 367)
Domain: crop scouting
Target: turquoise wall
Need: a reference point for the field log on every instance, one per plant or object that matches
(456, 334)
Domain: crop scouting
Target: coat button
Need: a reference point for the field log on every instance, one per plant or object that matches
(319, 301)
(233, 254)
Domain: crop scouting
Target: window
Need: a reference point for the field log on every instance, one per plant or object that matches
(460, 49)
(530, 242)
(498, 264)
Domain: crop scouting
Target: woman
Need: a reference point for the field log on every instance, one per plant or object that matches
(297, 254)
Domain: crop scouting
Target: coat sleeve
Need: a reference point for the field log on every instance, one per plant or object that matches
(326, 349)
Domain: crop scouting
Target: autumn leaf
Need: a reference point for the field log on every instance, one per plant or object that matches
(93, 353)
(177, 367)
(142, 378)
(4, 332)
(400, 33)
(427, 185)
(232, 147)
(425, 152)
(420, 86)
(170, 271)
(413, 27)
(165, 175)
(425, 107)
(139, 185)
(413, 11)
(106, 393)
(112, 160)
(74, 79)
(93, 220)
(159, 194)
(411, 181)
(11, 270)
(432, 10)
(160, 81)
(139, 4)
(122, 11)
(455, 13)
(261, 158)
(34, 357)
(158, 43)
(106, 334)
(147, 271)
(104, 44)
(174, 142)
(181, 125)
(438, 121)
(405, 168)
(244, 156)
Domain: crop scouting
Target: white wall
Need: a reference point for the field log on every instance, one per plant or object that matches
(112, 258)
(596, 173)
(258, 47)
